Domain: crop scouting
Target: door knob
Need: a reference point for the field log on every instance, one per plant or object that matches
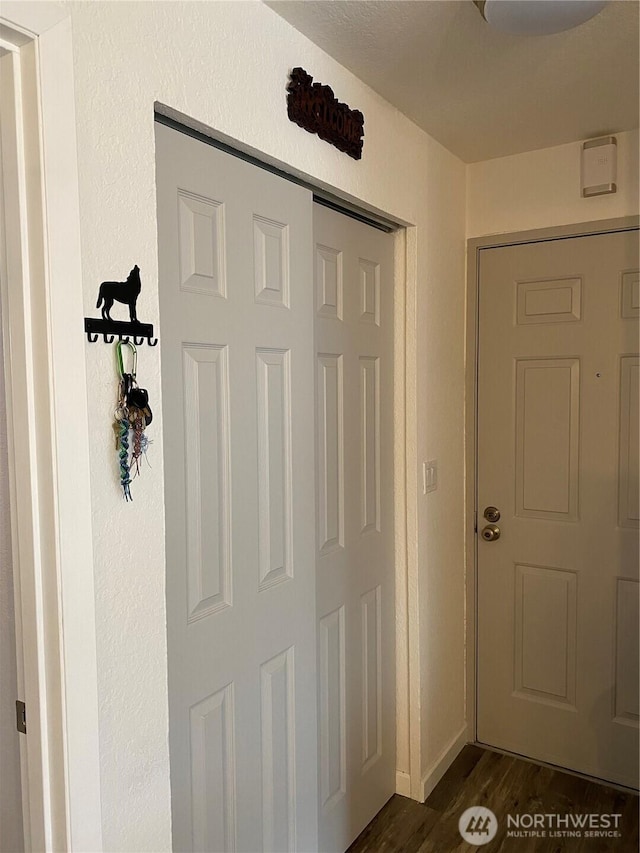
(490, 532)
(492, 514)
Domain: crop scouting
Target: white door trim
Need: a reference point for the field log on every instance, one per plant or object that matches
(408, 663)
(49, 441)
(474, 247)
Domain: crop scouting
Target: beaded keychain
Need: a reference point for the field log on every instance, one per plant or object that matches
(132, 415)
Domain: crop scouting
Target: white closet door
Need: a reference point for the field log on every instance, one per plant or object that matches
(236, 295)
(355, 535)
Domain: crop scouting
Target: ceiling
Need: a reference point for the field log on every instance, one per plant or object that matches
(480, 92)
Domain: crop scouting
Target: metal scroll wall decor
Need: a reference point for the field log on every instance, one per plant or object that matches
(315, 108)
(125, 292)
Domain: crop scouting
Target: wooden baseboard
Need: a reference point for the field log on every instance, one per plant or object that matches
(403, 783)
(439, 767)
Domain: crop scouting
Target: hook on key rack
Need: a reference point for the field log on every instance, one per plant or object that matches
(124, 332)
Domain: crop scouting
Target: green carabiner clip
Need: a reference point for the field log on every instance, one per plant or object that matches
(119, 361)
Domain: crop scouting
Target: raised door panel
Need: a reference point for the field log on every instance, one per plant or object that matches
(370, 443)
(630, 295)
(201, 244)
(275, 474)
(549, 301)
(271, 261)
(329, 282)
(371, 626)
(330, 468)
(629, 456)
(627, 686)
(545, 634)
(547, 435)
(208, 486)
(278, 754)
(369, 291)
(213, 780)
(333, 743)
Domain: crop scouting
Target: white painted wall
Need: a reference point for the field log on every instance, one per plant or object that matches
(441, 436)
(11, 835)
(541, 189)
(226, 65)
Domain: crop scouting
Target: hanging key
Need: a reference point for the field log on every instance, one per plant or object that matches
(138, 398)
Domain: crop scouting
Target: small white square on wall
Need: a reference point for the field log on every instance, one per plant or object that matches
(599, 166)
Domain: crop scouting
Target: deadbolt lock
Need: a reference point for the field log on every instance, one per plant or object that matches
(490, 533)
(492, 514)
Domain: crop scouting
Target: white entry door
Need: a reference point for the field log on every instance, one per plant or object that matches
(558, 457)
(236, 298)
(355, 535)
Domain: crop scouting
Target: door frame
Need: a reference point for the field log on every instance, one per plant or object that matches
(48, 435)
(474, 247)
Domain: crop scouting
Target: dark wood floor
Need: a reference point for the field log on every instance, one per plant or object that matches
(506, 785)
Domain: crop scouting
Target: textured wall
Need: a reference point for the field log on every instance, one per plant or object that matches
(541, 189)
(225, 64)
(440, 358)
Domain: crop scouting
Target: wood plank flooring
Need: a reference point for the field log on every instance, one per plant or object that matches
(506, 785)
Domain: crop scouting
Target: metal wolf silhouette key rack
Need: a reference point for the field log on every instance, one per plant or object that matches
(127, 293)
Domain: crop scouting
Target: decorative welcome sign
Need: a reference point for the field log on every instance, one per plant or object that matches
(315, 108)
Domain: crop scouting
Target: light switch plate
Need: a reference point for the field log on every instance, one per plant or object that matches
(429, 476)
